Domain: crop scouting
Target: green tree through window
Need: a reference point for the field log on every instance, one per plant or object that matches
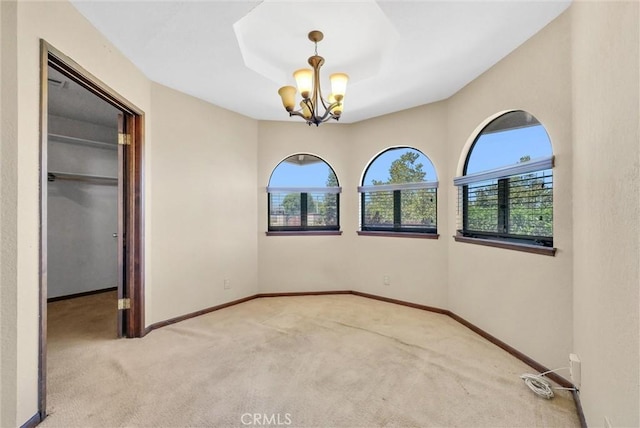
(328, 206)
(303, 195)
(403, 202)
(404, 170)
(507, 190)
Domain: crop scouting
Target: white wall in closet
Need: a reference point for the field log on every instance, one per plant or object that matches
(82, 211)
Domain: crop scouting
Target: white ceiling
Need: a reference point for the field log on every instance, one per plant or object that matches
(399, 54)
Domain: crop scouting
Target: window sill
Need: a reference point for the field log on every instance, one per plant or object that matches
(398, 234)
(305, 233)
(536, 249)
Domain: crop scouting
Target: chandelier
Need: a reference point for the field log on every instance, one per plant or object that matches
(308, 82)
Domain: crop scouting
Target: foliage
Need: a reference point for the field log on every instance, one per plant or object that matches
(328, 206)
(291, 204)
(529, 210)
(322, 208)
(404, 170)
(332, 180)
(417, 207)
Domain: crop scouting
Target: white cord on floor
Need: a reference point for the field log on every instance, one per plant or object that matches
(538, 384)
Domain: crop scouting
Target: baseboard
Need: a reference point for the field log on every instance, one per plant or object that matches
(84, 293)
(511, 350)
(576, 399)
(401, 302)
(499, 343)
(170, 321)
(303, 293)
(32, 422)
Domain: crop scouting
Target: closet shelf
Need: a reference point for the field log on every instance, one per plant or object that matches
(59, 175)
(82, 141)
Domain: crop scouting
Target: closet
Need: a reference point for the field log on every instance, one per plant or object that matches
(82, 191)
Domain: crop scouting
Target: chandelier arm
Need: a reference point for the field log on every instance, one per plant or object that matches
(327, 115)
(332, 105)
(310, 106)
(322, 100)
(317, 92)
(299, 113)
(314, 109)
(309, 103)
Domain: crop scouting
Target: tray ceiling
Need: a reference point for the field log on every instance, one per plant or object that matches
(399, 54)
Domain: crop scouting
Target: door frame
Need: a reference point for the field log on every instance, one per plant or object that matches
(132, 169)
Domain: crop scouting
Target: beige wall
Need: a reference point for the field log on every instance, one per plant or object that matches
(217, 154)
(523, 299)
(8, 214)
(532, 302)
(202, 159)
(302, 263)
(606, 208)
(416, 267)
(62, 26)
(203, 206)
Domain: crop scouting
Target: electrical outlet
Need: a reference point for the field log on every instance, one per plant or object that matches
(227, 284)
(386, 280)
(574, 369)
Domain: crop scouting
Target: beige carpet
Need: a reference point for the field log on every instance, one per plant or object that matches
(316, 361)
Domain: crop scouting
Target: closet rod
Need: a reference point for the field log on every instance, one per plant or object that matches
(57, 175)
(83, 141)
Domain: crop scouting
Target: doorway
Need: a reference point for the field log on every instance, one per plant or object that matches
(91, 222)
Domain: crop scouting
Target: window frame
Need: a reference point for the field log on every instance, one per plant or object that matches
(503, 220)
(502, 176)
(397, 226)
(397, 229)
(304, 195)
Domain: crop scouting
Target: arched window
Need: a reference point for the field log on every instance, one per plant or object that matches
(399, 193)
(304, 195)
(506, 192)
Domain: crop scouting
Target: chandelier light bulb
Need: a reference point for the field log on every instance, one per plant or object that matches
(304, 80)
(306, 111)
(338, 85)
(337, 108)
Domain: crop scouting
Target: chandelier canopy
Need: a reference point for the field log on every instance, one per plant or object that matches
(308, 82)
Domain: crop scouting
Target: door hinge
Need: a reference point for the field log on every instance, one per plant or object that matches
(124, 304)
(124, 139)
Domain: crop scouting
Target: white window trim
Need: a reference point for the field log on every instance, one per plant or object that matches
(401, 186)
(539, 164)
(304, 189)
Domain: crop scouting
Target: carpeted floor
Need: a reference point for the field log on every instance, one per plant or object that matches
(313, 361)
